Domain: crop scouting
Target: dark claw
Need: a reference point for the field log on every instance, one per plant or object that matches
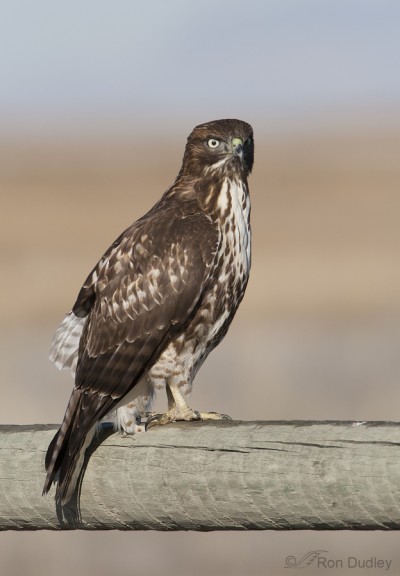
(154, 418)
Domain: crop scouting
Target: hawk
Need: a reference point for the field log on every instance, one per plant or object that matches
(158, 301)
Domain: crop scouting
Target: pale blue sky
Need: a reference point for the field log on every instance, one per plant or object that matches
(98, 62)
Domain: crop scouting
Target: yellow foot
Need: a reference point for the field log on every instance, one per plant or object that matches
(179, 416)
(173, 415)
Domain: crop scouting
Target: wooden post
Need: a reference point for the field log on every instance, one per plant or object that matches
(214, 476)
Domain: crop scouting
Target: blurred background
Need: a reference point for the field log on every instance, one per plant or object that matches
(96, 101)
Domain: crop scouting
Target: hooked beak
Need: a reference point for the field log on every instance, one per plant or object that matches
(237, 146)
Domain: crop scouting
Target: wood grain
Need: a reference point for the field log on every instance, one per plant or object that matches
(214, 476)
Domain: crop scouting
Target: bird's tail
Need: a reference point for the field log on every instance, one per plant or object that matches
(66, 452)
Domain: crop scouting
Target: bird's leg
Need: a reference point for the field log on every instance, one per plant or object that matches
(178, 409)
(176, 401)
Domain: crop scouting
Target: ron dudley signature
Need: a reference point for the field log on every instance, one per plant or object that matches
(321, 559)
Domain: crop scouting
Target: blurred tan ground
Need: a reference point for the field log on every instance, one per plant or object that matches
(325, 219)
(317, 335)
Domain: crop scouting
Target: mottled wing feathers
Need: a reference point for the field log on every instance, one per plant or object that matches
(144, 294)
(65, 345)
(141, 295)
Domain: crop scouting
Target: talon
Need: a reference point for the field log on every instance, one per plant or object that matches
(172, 416)
(152, 420)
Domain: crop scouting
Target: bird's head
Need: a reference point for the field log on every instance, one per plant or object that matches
(225, 145)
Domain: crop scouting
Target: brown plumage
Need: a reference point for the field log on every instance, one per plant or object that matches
(160, 299)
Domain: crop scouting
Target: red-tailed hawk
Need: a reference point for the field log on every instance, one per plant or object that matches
(159, 300)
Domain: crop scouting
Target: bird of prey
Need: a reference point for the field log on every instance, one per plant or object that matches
(158, 301)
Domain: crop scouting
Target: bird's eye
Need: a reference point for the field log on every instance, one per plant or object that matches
(213, 143)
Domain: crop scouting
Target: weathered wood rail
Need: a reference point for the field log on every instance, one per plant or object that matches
(214, 476)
